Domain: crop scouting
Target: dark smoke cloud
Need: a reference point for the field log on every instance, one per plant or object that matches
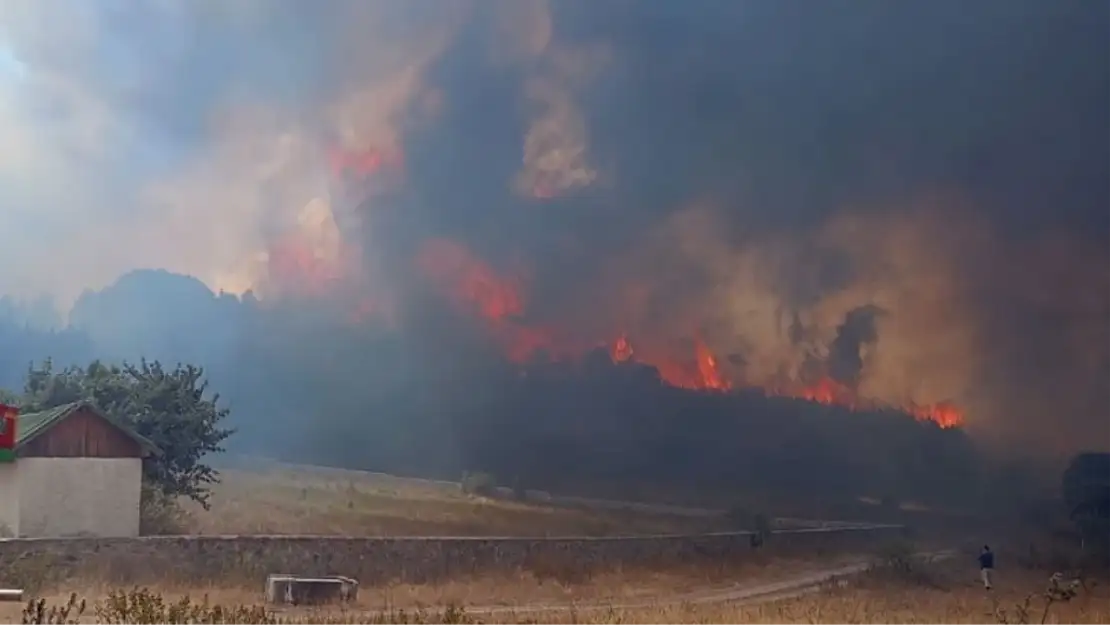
(857, 331)
(752, 160)
(750, 171)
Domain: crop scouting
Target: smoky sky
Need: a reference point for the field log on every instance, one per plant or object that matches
(672, 167)
(787, 110)
(798, 109)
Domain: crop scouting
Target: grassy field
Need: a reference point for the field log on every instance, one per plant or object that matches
(525, 588)
(945, 592)
(282, 499)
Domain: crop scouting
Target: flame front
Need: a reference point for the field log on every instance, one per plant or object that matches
(711, 377)
(830, 392)
(621, 351)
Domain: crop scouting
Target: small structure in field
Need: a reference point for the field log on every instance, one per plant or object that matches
(73, 471)
(294, 590)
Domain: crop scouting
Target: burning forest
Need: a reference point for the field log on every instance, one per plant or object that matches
(553, 258)
(644, 229)
(497, 303)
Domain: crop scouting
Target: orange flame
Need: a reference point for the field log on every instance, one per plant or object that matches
(701, 373)
(469, 282)
(472, 286)
(830, 392)
(621, 351)
(943, 414)
(707, 366)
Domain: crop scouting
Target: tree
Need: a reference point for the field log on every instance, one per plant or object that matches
(169, 407)
(1086, 486)
(8, 397)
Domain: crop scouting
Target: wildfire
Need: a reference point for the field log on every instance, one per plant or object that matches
(704, 374)
(707, 366)
(474, 287)
(943, 414)
(621, 351)
(498, 300)
(470, 283)
(313, 258)
(830, 392)
(699, 373)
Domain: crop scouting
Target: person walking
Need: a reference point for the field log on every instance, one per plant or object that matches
(986, 566)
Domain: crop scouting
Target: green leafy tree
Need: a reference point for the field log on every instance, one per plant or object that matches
(171, 407)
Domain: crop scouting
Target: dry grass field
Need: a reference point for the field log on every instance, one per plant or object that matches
(285, 499)
(945, 592)
(504, 591)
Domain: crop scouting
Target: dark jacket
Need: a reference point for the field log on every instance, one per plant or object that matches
(986, 560)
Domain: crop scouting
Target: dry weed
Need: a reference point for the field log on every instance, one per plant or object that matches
(354, 504)
(845, 606)
(552, 582)
(950, 595)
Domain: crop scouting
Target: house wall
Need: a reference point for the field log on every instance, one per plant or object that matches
(9, 500)
(79, 496)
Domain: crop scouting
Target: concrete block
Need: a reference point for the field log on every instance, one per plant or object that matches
(297, 590)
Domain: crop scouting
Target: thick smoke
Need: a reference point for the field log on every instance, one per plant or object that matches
(845, 352)
(908, 198)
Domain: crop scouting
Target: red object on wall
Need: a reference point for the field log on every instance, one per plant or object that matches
(9, 417)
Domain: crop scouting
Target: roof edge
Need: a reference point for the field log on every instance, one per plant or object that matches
(147, 446)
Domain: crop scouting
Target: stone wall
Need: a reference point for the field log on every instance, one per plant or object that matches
(40, 562)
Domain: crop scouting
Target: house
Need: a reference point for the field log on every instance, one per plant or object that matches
(76, 472)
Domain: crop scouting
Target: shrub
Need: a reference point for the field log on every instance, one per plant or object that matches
(141, 605)
(160, 514)
(37, 613)
(1058, 590)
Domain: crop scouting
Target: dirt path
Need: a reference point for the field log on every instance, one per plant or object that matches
(742, 593)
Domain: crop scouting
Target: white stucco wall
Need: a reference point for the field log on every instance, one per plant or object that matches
(9, 500)
(78, 496)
